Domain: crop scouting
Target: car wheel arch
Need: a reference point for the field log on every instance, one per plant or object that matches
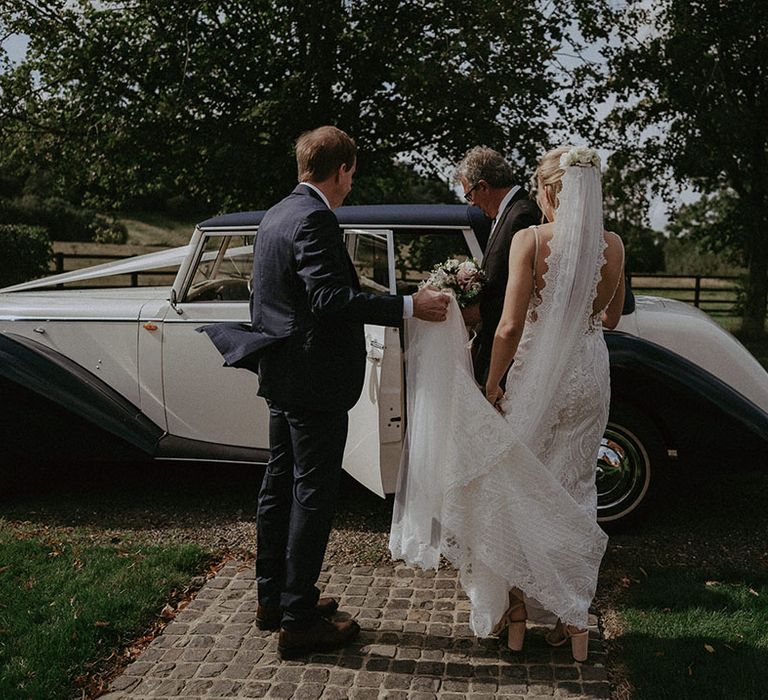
(36, 369)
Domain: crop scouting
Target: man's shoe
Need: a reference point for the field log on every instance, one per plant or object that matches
(323, 635)
(268, 616)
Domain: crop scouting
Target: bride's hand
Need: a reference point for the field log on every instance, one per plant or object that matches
(494, 394)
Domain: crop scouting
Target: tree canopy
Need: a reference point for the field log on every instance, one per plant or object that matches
(687, 85)
(133, 103)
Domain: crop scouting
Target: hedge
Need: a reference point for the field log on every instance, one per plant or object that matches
(62, 220)
(25, 253)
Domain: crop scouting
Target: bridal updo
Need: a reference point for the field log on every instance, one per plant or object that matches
(548, 178)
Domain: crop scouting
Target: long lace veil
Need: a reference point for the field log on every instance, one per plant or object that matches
(576, 256)
(471, 487)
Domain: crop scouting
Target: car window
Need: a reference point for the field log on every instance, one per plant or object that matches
(224, 270)
(368, 251)
(417, 251)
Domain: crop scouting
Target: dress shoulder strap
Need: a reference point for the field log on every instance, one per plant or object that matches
(620, 280)
(535, 260)
(536, 251)
(621, 273)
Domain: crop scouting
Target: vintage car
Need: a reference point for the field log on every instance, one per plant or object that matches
(110, 371)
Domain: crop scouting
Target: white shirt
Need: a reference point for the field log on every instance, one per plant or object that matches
(319, 191)
(502, 206)
(407, 300)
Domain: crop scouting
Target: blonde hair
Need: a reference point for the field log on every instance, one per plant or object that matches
(549, 174)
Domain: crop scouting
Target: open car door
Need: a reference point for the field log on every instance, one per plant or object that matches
(374, 442)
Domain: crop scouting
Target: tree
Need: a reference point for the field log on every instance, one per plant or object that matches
(715, 223)
(625, 196)
(135, 102)
(690, 84)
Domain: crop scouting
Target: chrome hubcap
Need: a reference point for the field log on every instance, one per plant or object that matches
(623, 473)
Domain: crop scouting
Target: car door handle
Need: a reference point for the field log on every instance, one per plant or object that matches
(375, 350)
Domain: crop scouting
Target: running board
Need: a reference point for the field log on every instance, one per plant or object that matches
(173, 447)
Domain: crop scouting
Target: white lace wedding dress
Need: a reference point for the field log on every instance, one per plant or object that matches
(510, 500)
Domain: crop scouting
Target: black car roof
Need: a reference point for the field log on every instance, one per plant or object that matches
(371, 215)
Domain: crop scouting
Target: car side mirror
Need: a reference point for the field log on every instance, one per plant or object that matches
(174, 303)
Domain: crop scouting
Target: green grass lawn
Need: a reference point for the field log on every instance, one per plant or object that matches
(156, 229)
(65, 608)
(684, 594)
(693, 633)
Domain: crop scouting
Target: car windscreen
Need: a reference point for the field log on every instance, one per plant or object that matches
(224, 270)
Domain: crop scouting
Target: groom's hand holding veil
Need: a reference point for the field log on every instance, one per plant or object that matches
(430, 304)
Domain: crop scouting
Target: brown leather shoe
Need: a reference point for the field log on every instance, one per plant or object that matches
(268, 616)
(321, 636)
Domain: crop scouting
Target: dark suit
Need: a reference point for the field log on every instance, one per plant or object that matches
(308, 346)
(306, 293)
(521, 212)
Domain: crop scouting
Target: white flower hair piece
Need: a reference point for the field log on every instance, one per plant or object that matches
(581, 156)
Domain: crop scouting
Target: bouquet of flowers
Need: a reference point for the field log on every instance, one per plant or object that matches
(465, 279)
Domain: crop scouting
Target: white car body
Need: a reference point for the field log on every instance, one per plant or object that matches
(142, 342)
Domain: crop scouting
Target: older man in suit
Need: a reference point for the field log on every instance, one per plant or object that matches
(488, 183)
(308, 345)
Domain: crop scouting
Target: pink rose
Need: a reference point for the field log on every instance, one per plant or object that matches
(465, 278)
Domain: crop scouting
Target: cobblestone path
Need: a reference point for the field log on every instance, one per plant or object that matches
(415, 644)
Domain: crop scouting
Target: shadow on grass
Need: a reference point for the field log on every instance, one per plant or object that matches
(681, 668)
(694, 499)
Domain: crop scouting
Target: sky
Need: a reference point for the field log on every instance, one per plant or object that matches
(16, 46)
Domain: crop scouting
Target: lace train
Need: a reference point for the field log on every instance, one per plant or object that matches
(488, 504)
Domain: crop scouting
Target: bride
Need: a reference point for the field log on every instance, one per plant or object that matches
(504, 488)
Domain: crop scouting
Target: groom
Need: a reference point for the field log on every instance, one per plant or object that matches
(489, 183)
(308, 345)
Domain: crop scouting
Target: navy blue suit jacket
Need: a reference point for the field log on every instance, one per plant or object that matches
(306, 339)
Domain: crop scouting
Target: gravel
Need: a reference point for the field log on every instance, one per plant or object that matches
(213, 506)
(698, 520)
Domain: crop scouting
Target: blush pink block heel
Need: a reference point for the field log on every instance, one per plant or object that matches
(516, 635)
(515, 628)
(579, 640)
(579, 645)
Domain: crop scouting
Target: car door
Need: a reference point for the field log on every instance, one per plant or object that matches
(374, 441)
(204, 400)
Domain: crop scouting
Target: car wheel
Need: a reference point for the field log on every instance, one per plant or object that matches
(630, 466)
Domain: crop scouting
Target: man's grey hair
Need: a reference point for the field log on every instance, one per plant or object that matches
(483, 163)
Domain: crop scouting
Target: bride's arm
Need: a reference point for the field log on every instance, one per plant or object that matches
(516, 299)
(612, 313)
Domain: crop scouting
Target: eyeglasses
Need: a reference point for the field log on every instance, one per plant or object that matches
(468, 193)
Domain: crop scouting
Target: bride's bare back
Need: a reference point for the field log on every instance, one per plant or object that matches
(522, 284)
(610, 289)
